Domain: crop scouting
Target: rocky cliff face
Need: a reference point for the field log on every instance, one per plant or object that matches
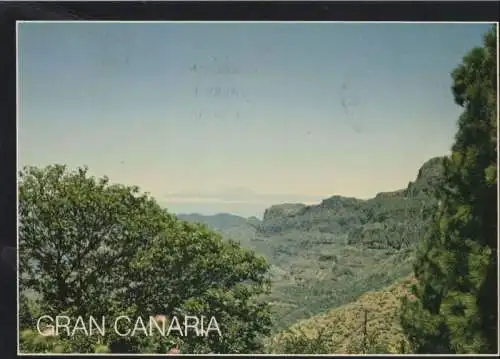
(394, 219)
(328, 254)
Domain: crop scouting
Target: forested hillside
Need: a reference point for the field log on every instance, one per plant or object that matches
(452, 307)
(368, 325)
(326, 255)
(408, 271)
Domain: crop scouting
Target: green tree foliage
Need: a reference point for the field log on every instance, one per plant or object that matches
(299, 342)
(88, 247)
(327, 340)
(455, 310)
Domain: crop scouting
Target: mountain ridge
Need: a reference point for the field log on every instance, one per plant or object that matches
(327, 254)
(426, 179)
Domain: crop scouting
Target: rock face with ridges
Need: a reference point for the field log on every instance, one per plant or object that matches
(326, 255)
(281, 210)
(428, 179)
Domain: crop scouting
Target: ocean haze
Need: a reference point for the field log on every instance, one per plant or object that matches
(240, 201)
(236, 117)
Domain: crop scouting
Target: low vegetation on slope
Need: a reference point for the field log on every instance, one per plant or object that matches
(370, 325)
(326, 255)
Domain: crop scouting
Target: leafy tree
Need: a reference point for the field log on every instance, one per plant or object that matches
(455, 310)
(88, 247)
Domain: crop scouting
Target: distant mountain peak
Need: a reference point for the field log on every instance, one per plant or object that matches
(283, 209)
(215, 221)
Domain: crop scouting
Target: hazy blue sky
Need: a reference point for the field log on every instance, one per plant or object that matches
(234, 117)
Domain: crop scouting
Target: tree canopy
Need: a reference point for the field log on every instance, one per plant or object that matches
(455, 310)
(89, 247)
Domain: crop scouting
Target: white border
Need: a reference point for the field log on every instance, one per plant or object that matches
(238, 22)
